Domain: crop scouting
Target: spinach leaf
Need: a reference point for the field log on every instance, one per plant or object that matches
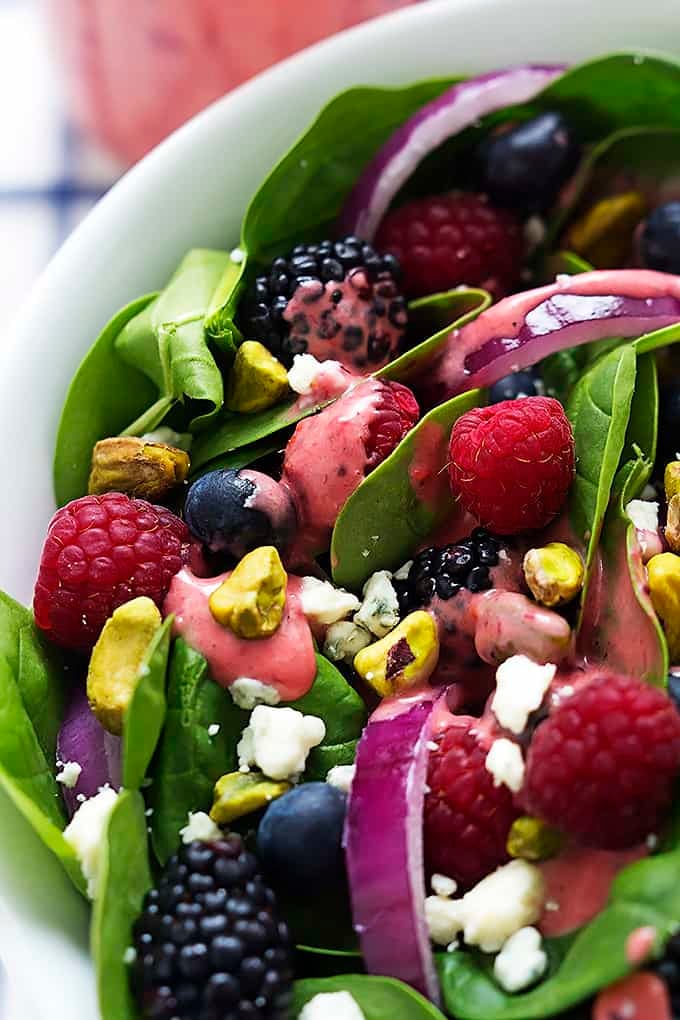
(219, 320)
(644, 893)
(599, 411)
(124, 879)
(145, 714)
(326, 756)
(243, 456)
(189, 761)
(104, 396)
(643, 423)
(658, 339)
(332, 699)
(379, 998)
(401, 502)
(166, 341)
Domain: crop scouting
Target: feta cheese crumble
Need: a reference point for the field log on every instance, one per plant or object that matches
(304, 371)
(85, 833)
(644, 514)
(278, 741)
(443, 886)
(344, 639)
(69, 774)
(379, 611)
(247, 693)
(521, 685)
(200, 826)
(323, 604)
(213, 729)
(521, 961)
(505, 763)
(508, 899)
(403, 572)
(342, 777)
(332, 1006)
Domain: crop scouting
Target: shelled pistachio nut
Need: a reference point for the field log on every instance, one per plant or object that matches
(116, 660)
(533, 839)
(140, 468)
(554, 573)
(252, 600)
(604, 234)
(671, 479)
(407, 656)
(663, 572)
(672, 528)
(257, 380)
(237, 794)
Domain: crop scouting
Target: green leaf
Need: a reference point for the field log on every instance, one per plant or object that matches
(401, 502)
(332, 699)
(219, 320)
(145, 714)
(166, 341)
(645, 893)
(243, 456)
(379, 998)
(641, 434)
(325, 757)
(125, 877)
(104, 396)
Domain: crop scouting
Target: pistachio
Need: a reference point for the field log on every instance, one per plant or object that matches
(671, 479)
(405, 657)
(533, 839)
(554, 573)
(140, 468)
(252, 599)
(238, 793)
(117, 658)
(604, 234)
(663, 572)
(672, 529)
(257, 380)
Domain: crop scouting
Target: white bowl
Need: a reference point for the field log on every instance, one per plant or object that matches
(190, 192)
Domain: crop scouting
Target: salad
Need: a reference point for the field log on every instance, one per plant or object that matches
(351, 687)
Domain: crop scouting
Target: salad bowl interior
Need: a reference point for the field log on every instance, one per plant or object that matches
(191, 192)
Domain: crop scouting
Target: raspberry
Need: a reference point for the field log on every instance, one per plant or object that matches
(446, 240)
(100, 552)
(511, 464)
(467, 818)
(602, 765)
(396, 413)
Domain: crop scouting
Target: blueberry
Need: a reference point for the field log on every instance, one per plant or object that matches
(660, 239)
(674, 689)
(510, 387)
(236, 511)
(299, 839)
(525, 166)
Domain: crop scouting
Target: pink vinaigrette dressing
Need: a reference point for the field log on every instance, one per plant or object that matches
(285, 661)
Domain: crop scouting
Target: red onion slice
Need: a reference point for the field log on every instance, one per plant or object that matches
(523, 329)
(82, 739)
(458, 108)
(384, 843)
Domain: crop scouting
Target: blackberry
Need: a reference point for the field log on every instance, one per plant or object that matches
(668, 969)
(209, 942)
(443, 570)
(336, 300)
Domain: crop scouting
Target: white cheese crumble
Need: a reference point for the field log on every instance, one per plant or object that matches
(213, 729)
(521, 685)
(247, 693)
(324, 604)
(442, 885)
(505, 763)
(163, 434)
(332, 1006)
(85, 833)
(303, 373)
(521, 961)
(237, 255)
(644, 514)
(200, 826)
(403, 572)
(341, 776)
(508, 899)
(344, 640)
(278, 741)
(130, 955)
(379, 611)
(70, 774)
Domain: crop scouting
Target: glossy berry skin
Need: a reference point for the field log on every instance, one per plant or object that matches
(525, 166)
(442, 571)
(659, 242)
(444, 241)
(299, 841)
(603, 764)
(210, 942)
(514, 387)
(467, 818)
(511, 464)
(102, 551)
(236, 511)
(668, 969)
